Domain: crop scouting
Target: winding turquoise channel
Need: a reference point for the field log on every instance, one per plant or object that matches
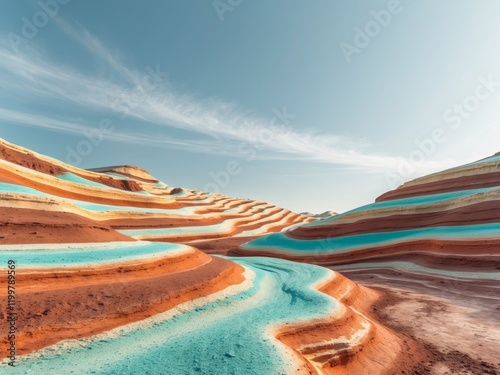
(227, 336)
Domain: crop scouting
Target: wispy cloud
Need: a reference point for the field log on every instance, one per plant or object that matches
(97, 48)
(216, 126)
(41, 121)
(80, 127)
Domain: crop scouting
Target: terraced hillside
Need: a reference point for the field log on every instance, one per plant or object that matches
(104, 286)
(447, 220)
(43, 195)
(434, 237)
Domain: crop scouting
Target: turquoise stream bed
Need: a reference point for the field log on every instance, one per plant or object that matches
(225, 336)
(75, 255)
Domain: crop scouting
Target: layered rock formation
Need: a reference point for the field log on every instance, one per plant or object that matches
(111, 203)
(94, 294)
(448, 221)
(432, 247)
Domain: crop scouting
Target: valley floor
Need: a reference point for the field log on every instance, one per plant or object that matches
(454, 322)
(458, 328)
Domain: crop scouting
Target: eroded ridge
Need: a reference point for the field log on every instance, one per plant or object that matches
(42, 200)
(442, 230)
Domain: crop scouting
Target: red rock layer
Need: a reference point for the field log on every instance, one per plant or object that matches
(326, 346)
(87, 194)
(206, 209)
(473, 248)
(221, 246)
(245, 224)
(128, 171)
(30, 226)
(459, 262)
(460, 212)
(161, 222)
(479, 213)
(476, 181)
(66, 305)
(30, 160)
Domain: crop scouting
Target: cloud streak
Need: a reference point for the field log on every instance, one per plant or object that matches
(215, 126)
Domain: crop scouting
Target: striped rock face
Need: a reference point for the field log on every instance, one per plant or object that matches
(444, 225)
(42, 196)
(103, 284)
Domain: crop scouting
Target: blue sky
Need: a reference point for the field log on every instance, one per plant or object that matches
(312, 106)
